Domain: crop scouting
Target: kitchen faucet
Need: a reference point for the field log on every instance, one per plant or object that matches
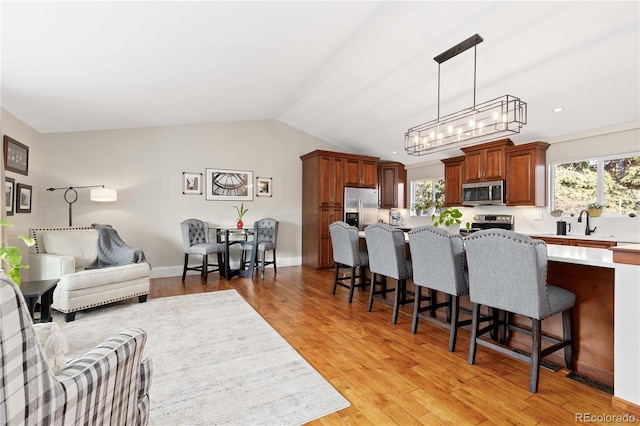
(587, 230)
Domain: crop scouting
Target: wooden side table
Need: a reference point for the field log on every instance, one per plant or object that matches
(43, 289)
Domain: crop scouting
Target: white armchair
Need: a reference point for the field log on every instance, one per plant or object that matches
(74, 256)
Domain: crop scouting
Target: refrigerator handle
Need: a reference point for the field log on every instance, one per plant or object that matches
(360, 211)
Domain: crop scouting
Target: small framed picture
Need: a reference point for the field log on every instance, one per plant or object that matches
(23, 198)
(16, 156)
(9, 194)
(264, 187)
(192, 183)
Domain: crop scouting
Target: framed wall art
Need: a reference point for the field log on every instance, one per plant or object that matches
(192, 183)
(16, 156)
(23, 198)
(264, 187)
(229, 185)
(9, 194)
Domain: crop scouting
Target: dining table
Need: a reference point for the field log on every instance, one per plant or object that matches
(231, 237)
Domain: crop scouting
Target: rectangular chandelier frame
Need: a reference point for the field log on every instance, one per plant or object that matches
(488, 120)
(500, 116)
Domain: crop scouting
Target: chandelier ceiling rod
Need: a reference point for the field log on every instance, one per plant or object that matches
(467, 44)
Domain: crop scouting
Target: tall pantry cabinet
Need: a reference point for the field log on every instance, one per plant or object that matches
(323, 181)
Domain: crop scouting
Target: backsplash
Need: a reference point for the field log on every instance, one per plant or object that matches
(619, 228)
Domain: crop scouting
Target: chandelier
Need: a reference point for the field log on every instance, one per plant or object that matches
(488, 120)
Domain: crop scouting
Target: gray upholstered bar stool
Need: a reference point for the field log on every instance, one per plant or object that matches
(438, 264)
(265, 238)
(385, 246)
(347, 254)
(195, 241)
(508, 271)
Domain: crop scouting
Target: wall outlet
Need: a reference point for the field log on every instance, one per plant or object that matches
(537, 215)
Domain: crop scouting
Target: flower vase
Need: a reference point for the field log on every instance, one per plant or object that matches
(239, 224)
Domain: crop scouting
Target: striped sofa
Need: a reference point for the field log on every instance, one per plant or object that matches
(107, 386)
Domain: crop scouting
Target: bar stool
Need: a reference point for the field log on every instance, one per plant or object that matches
(195, 241)
(508, 271)
(385, 246)
(347, 254)
(438, 264)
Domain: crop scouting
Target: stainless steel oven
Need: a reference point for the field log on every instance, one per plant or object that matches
(489, 221)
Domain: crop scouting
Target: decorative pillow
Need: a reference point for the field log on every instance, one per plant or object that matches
(54, 345)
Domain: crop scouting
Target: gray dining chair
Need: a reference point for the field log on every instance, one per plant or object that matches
(195, 241)
(508, 271)
(347, 255)
(265, 238)
(386, 248)
(438, 262)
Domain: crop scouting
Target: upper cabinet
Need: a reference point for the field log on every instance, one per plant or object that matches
(485, 162)
(392, 185)
(362, 172)
(526, 174)
(330, 180)
(453, 174)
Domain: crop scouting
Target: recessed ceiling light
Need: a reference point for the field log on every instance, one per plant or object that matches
(558, 109)
(394, 152)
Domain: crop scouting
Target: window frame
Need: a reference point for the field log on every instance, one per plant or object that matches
(412, 190)
(599, 177)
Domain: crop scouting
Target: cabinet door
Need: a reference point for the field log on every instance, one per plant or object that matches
(453, 173)
(352, 172)
(327, 217)
(330, 181)
(494, 164)
(474, 166)
(369, 174)
(392, 181)
(526, 178)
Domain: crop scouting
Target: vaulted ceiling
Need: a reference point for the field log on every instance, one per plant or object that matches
(356, 74)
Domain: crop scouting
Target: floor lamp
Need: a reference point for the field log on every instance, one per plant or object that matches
(99, 193)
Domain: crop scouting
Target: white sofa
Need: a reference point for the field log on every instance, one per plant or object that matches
(71, 255)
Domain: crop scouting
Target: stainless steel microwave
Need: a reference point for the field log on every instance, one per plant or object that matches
(483, 193)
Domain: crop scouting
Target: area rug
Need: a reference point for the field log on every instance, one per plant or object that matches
(216, 361)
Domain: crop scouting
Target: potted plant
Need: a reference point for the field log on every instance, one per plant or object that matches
(449, 218)
(594, 209)
(417, 207)
(429, 207)
(241, 211)
(12, 256)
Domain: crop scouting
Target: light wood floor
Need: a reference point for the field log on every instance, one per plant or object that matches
(389, 375)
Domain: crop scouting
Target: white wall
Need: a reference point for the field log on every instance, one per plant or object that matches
(146, 166)
(620, 139)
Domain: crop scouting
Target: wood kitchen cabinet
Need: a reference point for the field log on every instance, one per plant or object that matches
(453, 176)
(526, 177)
(392, 185)
(360, 172)
(485, 162)
(323, 182)
(576, 242)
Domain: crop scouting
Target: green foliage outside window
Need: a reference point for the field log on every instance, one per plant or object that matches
(576, 185)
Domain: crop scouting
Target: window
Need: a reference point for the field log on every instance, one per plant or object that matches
(427, 193)
(612, 182)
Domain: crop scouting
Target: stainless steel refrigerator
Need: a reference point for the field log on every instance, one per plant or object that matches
(360, 206)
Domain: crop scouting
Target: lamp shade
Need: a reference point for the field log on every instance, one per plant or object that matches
(104, 194)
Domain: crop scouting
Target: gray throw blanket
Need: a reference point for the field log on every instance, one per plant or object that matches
(112, 251)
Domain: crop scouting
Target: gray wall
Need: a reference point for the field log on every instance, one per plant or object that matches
(146, 166)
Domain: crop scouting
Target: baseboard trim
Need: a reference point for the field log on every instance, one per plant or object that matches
(176, 270)
(625, 406)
